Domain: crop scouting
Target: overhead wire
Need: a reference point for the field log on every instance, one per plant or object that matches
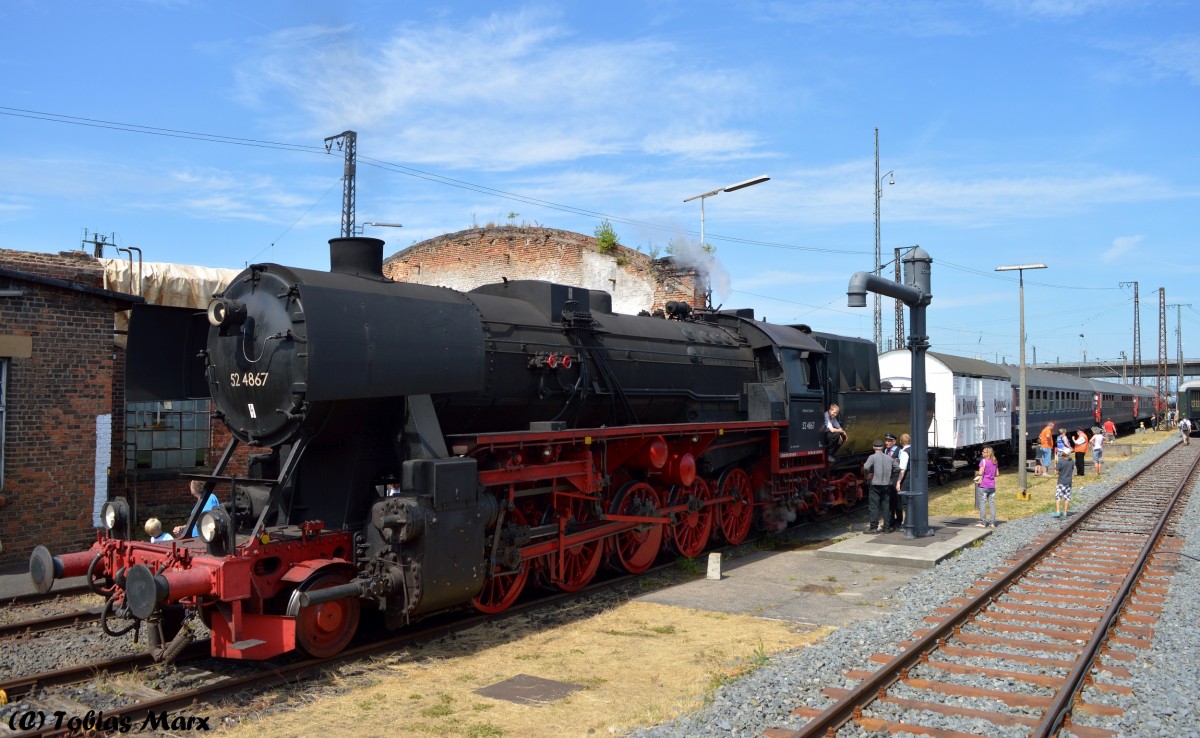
(396, 168)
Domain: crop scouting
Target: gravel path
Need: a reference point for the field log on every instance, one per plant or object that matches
(1167, 676)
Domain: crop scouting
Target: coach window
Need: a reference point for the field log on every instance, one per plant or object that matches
(170, 435)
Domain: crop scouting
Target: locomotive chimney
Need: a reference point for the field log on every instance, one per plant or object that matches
(358, 255)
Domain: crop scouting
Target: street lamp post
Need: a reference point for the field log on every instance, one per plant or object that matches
(359, 229)
(1022, 442)
(878, 263)
(731, 188)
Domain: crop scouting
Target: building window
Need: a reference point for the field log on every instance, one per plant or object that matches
(3, 415)
(167, 435)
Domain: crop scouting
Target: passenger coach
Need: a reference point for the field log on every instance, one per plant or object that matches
(973, 407)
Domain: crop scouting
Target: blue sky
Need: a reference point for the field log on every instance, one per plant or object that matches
(1055, 131)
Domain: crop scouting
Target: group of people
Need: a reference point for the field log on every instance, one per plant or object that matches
(890, 461)
(154, 528)
(1054, 459)
(888, 470)
(1076, 444)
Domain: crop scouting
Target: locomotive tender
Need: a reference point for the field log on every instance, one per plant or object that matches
(534, 433)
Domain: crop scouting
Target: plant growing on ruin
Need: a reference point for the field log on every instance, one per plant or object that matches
(606, 238)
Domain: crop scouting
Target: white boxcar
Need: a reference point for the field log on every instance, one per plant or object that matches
(973, 408)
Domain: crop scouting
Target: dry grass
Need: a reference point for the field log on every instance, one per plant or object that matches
(957, 498)
(639, 664)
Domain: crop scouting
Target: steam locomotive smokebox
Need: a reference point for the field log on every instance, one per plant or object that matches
(453, 483)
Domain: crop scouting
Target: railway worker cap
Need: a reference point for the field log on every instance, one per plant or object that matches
(888, 437)
(877, 443)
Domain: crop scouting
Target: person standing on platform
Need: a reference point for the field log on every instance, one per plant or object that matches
(903, 482)
(880, 466)
(1045, 448)
(892, 449)
(985, 488)
(1110, 430)
(1098, 452)
(1062, 492)
(1081, 447)
(1062, 444)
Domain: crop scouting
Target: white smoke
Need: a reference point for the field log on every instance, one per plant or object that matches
(690, 254)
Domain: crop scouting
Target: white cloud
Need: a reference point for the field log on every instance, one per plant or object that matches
(1121, 246)
(501, 92)
(1178, 55)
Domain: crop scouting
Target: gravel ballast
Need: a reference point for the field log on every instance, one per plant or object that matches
(1166, 677)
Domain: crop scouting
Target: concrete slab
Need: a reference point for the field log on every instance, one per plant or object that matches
(835, 576)
(948, 536)
(795, 586)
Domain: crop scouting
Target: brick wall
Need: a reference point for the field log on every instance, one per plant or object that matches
(54, 397)
(470, 258)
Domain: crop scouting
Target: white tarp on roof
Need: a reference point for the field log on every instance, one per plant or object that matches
(162, 283)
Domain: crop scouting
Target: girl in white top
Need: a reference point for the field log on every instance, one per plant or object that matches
(1097, 452)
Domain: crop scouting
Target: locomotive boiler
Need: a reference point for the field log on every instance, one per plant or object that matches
(534, 433)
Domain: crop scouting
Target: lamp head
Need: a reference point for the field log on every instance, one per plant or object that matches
(747, 183)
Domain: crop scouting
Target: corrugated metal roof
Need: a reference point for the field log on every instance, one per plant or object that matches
(970, 367)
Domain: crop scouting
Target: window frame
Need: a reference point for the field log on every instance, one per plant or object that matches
(163, 436)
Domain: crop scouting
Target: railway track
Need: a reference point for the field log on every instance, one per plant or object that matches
(36, 698)
(50, 622)
(1013, 656)
(36, 598)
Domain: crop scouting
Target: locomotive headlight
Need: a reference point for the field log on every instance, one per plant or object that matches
(115, 515)
(209, 527)
(224, 312)
(215, 528)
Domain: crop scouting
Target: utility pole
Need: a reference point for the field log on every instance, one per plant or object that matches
(878, 195)
(1179, 339)
(899, 305)
(1160, 402)
(98, 242)
(347, 141)
(1137, 335)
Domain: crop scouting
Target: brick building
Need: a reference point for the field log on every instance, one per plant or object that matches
(58, 370)
(68, 439)
(467, 259)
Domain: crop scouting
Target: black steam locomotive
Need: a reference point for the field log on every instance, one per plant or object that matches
(529, 431)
